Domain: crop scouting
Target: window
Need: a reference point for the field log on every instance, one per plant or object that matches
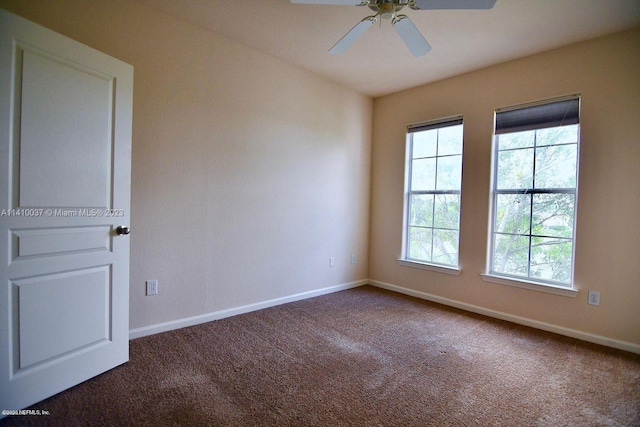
(535, 174)
(433, 179)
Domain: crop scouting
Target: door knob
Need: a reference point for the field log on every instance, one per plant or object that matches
(121, 231)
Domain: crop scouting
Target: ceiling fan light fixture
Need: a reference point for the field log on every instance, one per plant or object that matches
(388, 9)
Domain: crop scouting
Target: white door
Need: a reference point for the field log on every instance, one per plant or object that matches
(65, 166)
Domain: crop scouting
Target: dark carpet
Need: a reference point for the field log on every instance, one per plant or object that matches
(361, 357)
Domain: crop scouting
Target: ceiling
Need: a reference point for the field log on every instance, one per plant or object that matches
(378, 63)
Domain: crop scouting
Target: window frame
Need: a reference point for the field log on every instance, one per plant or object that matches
(529, 282)
(404, 259)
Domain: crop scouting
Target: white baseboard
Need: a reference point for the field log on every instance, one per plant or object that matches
(573, 333)
(208, 317)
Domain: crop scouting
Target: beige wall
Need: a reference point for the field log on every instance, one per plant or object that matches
(248, 173)
(606, 72)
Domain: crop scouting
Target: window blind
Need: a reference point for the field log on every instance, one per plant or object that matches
(434, 124)
(558, 113)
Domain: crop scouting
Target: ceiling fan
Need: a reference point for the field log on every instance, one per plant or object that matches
(388, 9)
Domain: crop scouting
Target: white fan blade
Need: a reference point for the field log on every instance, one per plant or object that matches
(353, 34)
(337, 2)
(411, 36)
(454, 4)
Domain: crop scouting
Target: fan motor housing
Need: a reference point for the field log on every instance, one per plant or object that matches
(387, 8)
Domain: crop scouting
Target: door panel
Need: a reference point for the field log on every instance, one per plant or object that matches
(28, 244)
(78, 136)
(46, 315)
(65, 163)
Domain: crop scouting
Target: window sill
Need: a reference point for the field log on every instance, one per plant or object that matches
(432, 267)
(525, 284)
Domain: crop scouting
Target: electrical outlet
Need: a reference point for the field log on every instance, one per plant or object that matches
(152, 287)
(594, 298)
(353, 259)
(332, 262)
